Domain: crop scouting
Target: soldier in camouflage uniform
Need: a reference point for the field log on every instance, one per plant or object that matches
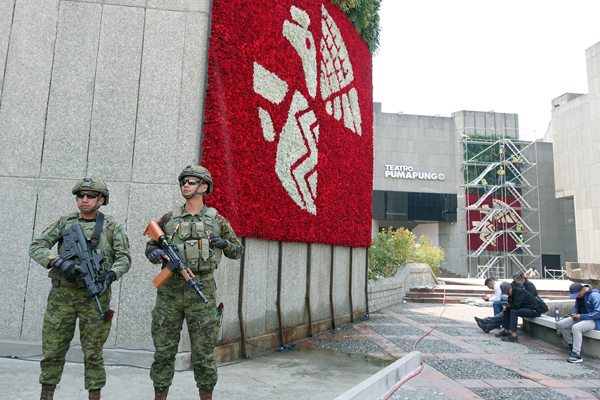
(201, 236)
(69, 298)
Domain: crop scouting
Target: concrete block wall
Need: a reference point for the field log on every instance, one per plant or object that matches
(574, 133)
(386, 292)
(115, 89)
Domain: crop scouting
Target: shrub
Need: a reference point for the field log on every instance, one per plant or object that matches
(393, 248)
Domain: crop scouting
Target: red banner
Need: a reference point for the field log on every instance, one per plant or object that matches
(289, 122)
(502, 218)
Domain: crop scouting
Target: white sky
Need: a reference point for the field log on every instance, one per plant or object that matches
(512, 56)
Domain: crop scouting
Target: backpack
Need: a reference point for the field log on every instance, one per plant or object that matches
(542, 305)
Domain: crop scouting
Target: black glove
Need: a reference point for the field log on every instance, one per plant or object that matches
(69, 269)
(106, 280)
(155, 255)
(217, 241)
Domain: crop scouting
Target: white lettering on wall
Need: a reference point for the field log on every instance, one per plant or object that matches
(407, 172)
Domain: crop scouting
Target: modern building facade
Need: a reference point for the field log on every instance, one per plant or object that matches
(420, 183)
(575, 135)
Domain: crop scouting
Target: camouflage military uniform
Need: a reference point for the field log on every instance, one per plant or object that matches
(68, 301)
(175, 301)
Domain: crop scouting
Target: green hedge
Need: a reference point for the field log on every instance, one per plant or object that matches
(364, 15)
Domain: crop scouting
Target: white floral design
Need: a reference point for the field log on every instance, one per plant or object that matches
(297, 151)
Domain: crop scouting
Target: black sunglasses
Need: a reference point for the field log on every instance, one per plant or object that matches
(81, 195)
(192, 182)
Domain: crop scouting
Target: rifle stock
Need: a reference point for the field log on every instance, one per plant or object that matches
(175, 262)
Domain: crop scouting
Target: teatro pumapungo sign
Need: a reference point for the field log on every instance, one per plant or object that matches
(408, 172)
(289, 117)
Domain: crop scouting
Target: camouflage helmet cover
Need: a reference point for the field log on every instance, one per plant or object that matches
(199, 172)
(92, 184)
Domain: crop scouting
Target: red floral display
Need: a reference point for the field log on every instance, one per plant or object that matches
(503, 219)
(288, 134)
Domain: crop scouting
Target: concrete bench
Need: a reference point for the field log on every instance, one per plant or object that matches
(544, 328)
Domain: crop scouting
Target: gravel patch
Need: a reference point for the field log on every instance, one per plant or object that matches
(348, 345)
(343, 330)
(561, 369)
(472, 369)
(397, 330)
(594, 391)
(520, 393)
(382, 319)
(497, 347)
(419, 393)
(429, 346)
(452, 331)
(431, 320)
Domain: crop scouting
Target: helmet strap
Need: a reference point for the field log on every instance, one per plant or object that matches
(189, 196)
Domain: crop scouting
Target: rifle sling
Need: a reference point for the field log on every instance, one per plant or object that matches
(95, 238)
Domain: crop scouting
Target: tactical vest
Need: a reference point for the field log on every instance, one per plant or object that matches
(104, 246)
(188, 232)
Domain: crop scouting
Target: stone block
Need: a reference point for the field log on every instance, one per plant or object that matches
(132, 3)
(6, 17)
(138, 295)
(181, 5)
(159, 93)
(320, 277)
(227, 278)
(293, 284)
(114, 114)
(26, 85)
(72, 91)
(341, 281)
(18, 197)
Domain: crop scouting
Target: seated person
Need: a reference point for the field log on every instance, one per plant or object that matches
(500, 295)
(585, 317)
(521, 303)
(490, 323)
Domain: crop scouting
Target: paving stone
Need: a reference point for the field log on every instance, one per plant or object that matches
(561, 369)
(431, 320)
(381, 319)
(348, 345)
(471, 369)
(419, 393)
(452, 331)
(498, 347)
(397, 330)
(520, 393)
(429, 346)
(594, 391)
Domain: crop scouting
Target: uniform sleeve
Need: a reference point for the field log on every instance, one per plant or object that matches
(122, 261)
(234, 249)
(41, 248)
(151, 244)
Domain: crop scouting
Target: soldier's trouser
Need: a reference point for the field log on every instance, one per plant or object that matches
(175, 301)
(65, 305)
(573, 331)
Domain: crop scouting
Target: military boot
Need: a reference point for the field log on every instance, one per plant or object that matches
(205, 394)
(94, 394)
(47, 392)
(160, 393)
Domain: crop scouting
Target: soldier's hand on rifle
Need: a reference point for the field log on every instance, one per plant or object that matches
(156, 256)
(217, 241)
(69, 269)
(106, 280)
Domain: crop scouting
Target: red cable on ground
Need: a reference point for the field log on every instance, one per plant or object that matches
(414, 346)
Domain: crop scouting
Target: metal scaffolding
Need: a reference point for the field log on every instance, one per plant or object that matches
(501, 206)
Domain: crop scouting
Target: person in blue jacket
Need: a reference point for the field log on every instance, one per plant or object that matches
(585, 317)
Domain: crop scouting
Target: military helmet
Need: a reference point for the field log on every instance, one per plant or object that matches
(92, 184)
(199, 172)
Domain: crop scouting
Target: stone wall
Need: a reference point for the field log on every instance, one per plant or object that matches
(115, 89)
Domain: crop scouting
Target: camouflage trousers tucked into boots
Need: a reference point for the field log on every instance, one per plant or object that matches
(94, 395)
(65, 306)
(47, 392)
(205, 394)
(160, 393)
(176, 302)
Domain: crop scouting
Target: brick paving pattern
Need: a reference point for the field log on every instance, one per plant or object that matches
(460, 360)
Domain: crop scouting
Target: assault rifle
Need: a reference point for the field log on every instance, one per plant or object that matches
(76, 245)
(175, 262)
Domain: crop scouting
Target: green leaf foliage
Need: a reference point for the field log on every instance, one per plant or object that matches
(364, 15)
(394, 248)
